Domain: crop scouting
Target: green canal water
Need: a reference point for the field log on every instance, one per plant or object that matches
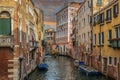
(61, 68)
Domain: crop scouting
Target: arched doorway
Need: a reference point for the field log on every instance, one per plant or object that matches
(5, 23)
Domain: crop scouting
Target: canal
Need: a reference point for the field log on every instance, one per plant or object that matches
(61, 68)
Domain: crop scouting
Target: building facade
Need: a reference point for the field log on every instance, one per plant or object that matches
(18, 38)
(50, 39)
(74, 40)
(85, 32)
(40, 33)
(106, 40)
(64, 27)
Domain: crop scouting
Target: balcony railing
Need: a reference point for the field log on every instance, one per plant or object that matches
(6, 41)
(115, 43)
(33, 45)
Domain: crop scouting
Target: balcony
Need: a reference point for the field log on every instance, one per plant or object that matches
(119, 43)
(115, 43)
(33, 45)
(6, 41)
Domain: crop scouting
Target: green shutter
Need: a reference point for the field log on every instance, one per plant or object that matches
(5, 26)
(102, 37)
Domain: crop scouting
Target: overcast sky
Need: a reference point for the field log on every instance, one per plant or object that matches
(50, 7)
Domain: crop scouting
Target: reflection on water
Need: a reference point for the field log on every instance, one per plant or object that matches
(61, 68)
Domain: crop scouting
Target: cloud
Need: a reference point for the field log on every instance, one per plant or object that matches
(50, 8)
(50, 23)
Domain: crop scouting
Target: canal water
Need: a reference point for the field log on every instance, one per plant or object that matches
(61, 68)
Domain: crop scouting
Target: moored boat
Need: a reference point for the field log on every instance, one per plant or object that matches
(43, 66)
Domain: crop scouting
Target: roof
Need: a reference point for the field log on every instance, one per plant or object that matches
(68, 6)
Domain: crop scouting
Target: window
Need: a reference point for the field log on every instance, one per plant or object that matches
(108, 15)
(116, 32)
(119, 32)
(20, 30)
(99, 2)
(5, 23)
(115, 61)
(90, 3)
(110, 60)
(83, 22)
(102, 37)
(101, 18)
(94, 38)
(109, 36)
(33, 55)
(28, 58)
(27, 34)
(115, 10)
(98, 19)
(99, 38)
(95, 20)
(90, 19)
(84, 37)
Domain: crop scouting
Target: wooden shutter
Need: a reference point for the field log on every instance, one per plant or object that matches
(102, 37)
(5, 26)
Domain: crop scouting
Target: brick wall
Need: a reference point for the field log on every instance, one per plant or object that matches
(5, 56)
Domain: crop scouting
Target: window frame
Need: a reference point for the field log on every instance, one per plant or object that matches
(109, 14)
(115, 13)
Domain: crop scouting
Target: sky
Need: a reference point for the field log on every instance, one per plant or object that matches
(50, 8)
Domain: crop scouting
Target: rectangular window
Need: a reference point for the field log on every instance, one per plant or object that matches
(94, 38)
(109, 36)
(84, 22)
(99, 2)
(101, 18)
(95, 20)
(27, 34)
(90, 19)
(5, 26)
(102, 37)
(116, 32)
(119, 32)
(20, 30)
(110, 60)
(108, 15)
(99, 38)
(115, 61)
(98, 19)
(115, 10)
(28, 58)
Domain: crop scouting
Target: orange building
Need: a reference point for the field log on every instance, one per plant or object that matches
(18, 38)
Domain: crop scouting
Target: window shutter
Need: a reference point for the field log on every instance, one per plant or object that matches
(102, 37)
(5, 26)
(99, 37)
(117, 6)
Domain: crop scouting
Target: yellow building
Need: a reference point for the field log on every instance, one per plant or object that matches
(106, 39)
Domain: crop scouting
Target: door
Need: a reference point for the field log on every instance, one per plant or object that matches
(119, 70)
(105, 66)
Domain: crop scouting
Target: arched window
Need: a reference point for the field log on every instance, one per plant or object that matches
(5, 23)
